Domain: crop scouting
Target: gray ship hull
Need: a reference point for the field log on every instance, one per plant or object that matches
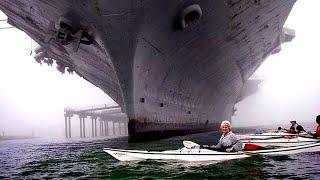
(174, 67)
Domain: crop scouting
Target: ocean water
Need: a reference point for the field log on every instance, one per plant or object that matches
(84, 159)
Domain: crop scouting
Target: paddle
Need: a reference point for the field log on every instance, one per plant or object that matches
(190, 144)
(284, 129)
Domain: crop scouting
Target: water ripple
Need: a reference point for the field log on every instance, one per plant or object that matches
(46, 159)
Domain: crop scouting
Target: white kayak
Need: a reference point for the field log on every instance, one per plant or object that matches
(269, 135)
(285, 141)
(197, 154)
(184, 154)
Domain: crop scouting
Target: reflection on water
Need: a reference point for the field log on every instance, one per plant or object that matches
(60, 158)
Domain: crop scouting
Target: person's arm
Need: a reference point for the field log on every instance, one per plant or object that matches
(237, 144)
(213, 146)
(300, 129)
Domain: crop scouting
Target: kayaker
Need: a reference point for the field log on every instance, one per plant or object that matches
(228, 141)
(317, 134)
(295, 128)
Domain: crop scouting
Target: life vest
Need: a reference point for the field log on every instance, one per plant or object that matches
(293, 128)
(318, 131)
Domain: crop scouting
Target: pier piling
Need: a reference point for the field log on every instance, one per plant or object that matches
(105, 114)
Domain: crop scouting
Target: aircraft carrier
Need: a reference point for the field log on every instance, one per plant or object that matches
(173, 66)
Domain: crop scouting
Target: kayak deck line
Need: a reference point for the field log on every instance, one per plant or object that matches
(176, 153)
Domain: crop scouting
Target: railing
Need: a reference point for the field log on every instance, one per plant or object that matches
(90, 108)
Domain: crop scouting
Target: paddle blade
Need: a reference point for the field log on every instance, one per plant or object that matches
(189, 144)
(252, 147)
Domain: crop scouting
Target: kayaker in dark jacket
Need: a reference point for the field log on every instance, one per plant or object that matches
(228, 141)
(295, 128)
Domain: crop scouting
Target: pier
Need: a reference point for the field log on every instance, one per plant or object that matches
(111, 121)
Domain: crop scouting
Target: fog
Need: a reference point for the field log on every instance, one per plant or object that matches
(291, 87)
(32, 97)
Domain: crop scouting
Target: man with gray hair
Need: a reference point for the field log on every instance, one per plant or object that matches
(228, 141)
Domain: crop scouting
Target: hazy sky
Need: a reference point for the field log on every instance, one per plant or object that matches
(291, 89)
(33, 96)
